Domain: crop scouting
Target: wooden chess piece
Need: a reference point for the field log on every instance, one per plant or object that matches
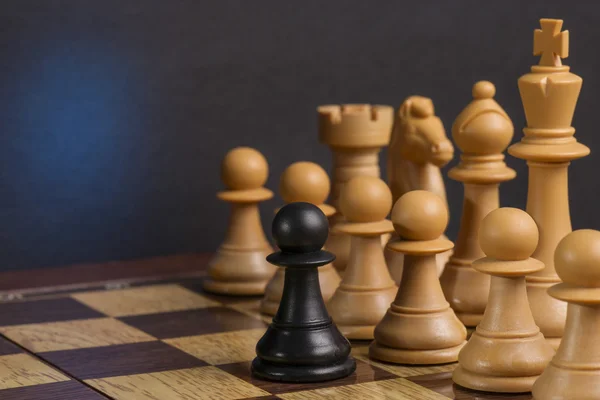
(507, 352)
(418, 149)
(482, 131)
(419, 327)
(302, 344)
(549, 93)
(355, 133)
(303, 182)
(367, 289)
(239, 266)
(574, 372)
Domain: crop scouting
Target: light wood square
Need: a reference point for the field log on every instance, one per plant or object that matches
(19, 370)
(185, 384)
(221, 348)
(391, 389)
(77, 334)
(143, 300)
(361, 352)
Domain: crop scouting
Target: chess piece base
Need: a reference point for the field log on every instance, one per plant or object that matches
(302, 373)
(239, 273)
(497, 384)
(414, 357)
(356, 312)
(234, 288)
(288, 352)
(436, 335)
(499, 362)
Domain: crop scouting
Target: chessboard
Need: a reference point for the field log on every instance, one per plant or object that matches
(166, 339)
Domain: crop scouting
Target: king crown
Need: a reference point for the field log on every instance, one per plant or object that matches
(550, 91)
(550, 101)
(549, 94)
(550, 43)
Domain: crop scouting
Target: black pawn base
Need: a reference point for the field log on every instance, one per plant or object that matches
(302, 373)
(302, 344)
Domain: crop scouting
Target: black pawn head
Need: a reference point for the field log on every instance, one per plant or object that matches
(300, 231)
(300, 228)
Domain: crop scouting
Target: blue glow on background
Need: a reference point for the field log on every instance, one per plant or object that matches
(76, 158)
(71, 126)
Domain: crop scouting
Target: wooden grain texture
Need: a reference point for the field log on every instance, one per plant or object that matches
(23, 370)
(364, 373)
(74, 334)
(197, 285)
(25, 281)
(193, 322)
(67, 390)
(51, 310)
(123, 359)
(143, 300)
(221, 348)
(442, 383)
(224, 335)
(187, 384)
(7, 348)
(391, 389)
(361, 352)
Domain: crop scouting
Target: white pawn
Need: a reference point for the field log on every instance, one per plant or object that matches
(574, 372)
(367, 289)
(419, 327)
(507, 352)
(239, 267)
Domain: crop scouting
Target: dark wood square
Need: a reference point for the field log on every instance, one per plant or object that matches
(50, 310)
(364, 373)
(126, 359)
(68, 390)
(442, 383)
(7, 348)
(193, 322)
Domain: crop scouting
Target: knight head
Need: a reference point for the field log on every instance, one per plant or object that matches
(419, 136)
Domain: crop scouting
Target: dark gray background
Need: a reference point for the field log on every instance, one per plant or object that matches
(115, 114)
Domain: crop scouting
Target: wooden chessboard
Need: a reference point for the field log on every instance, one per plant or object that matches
(165, 339)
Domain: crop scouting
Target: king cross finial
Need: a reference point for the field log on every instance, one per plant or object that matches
(550, 42)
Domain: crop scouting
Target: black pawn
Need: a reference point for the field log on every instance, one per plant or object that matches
(302, 344)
